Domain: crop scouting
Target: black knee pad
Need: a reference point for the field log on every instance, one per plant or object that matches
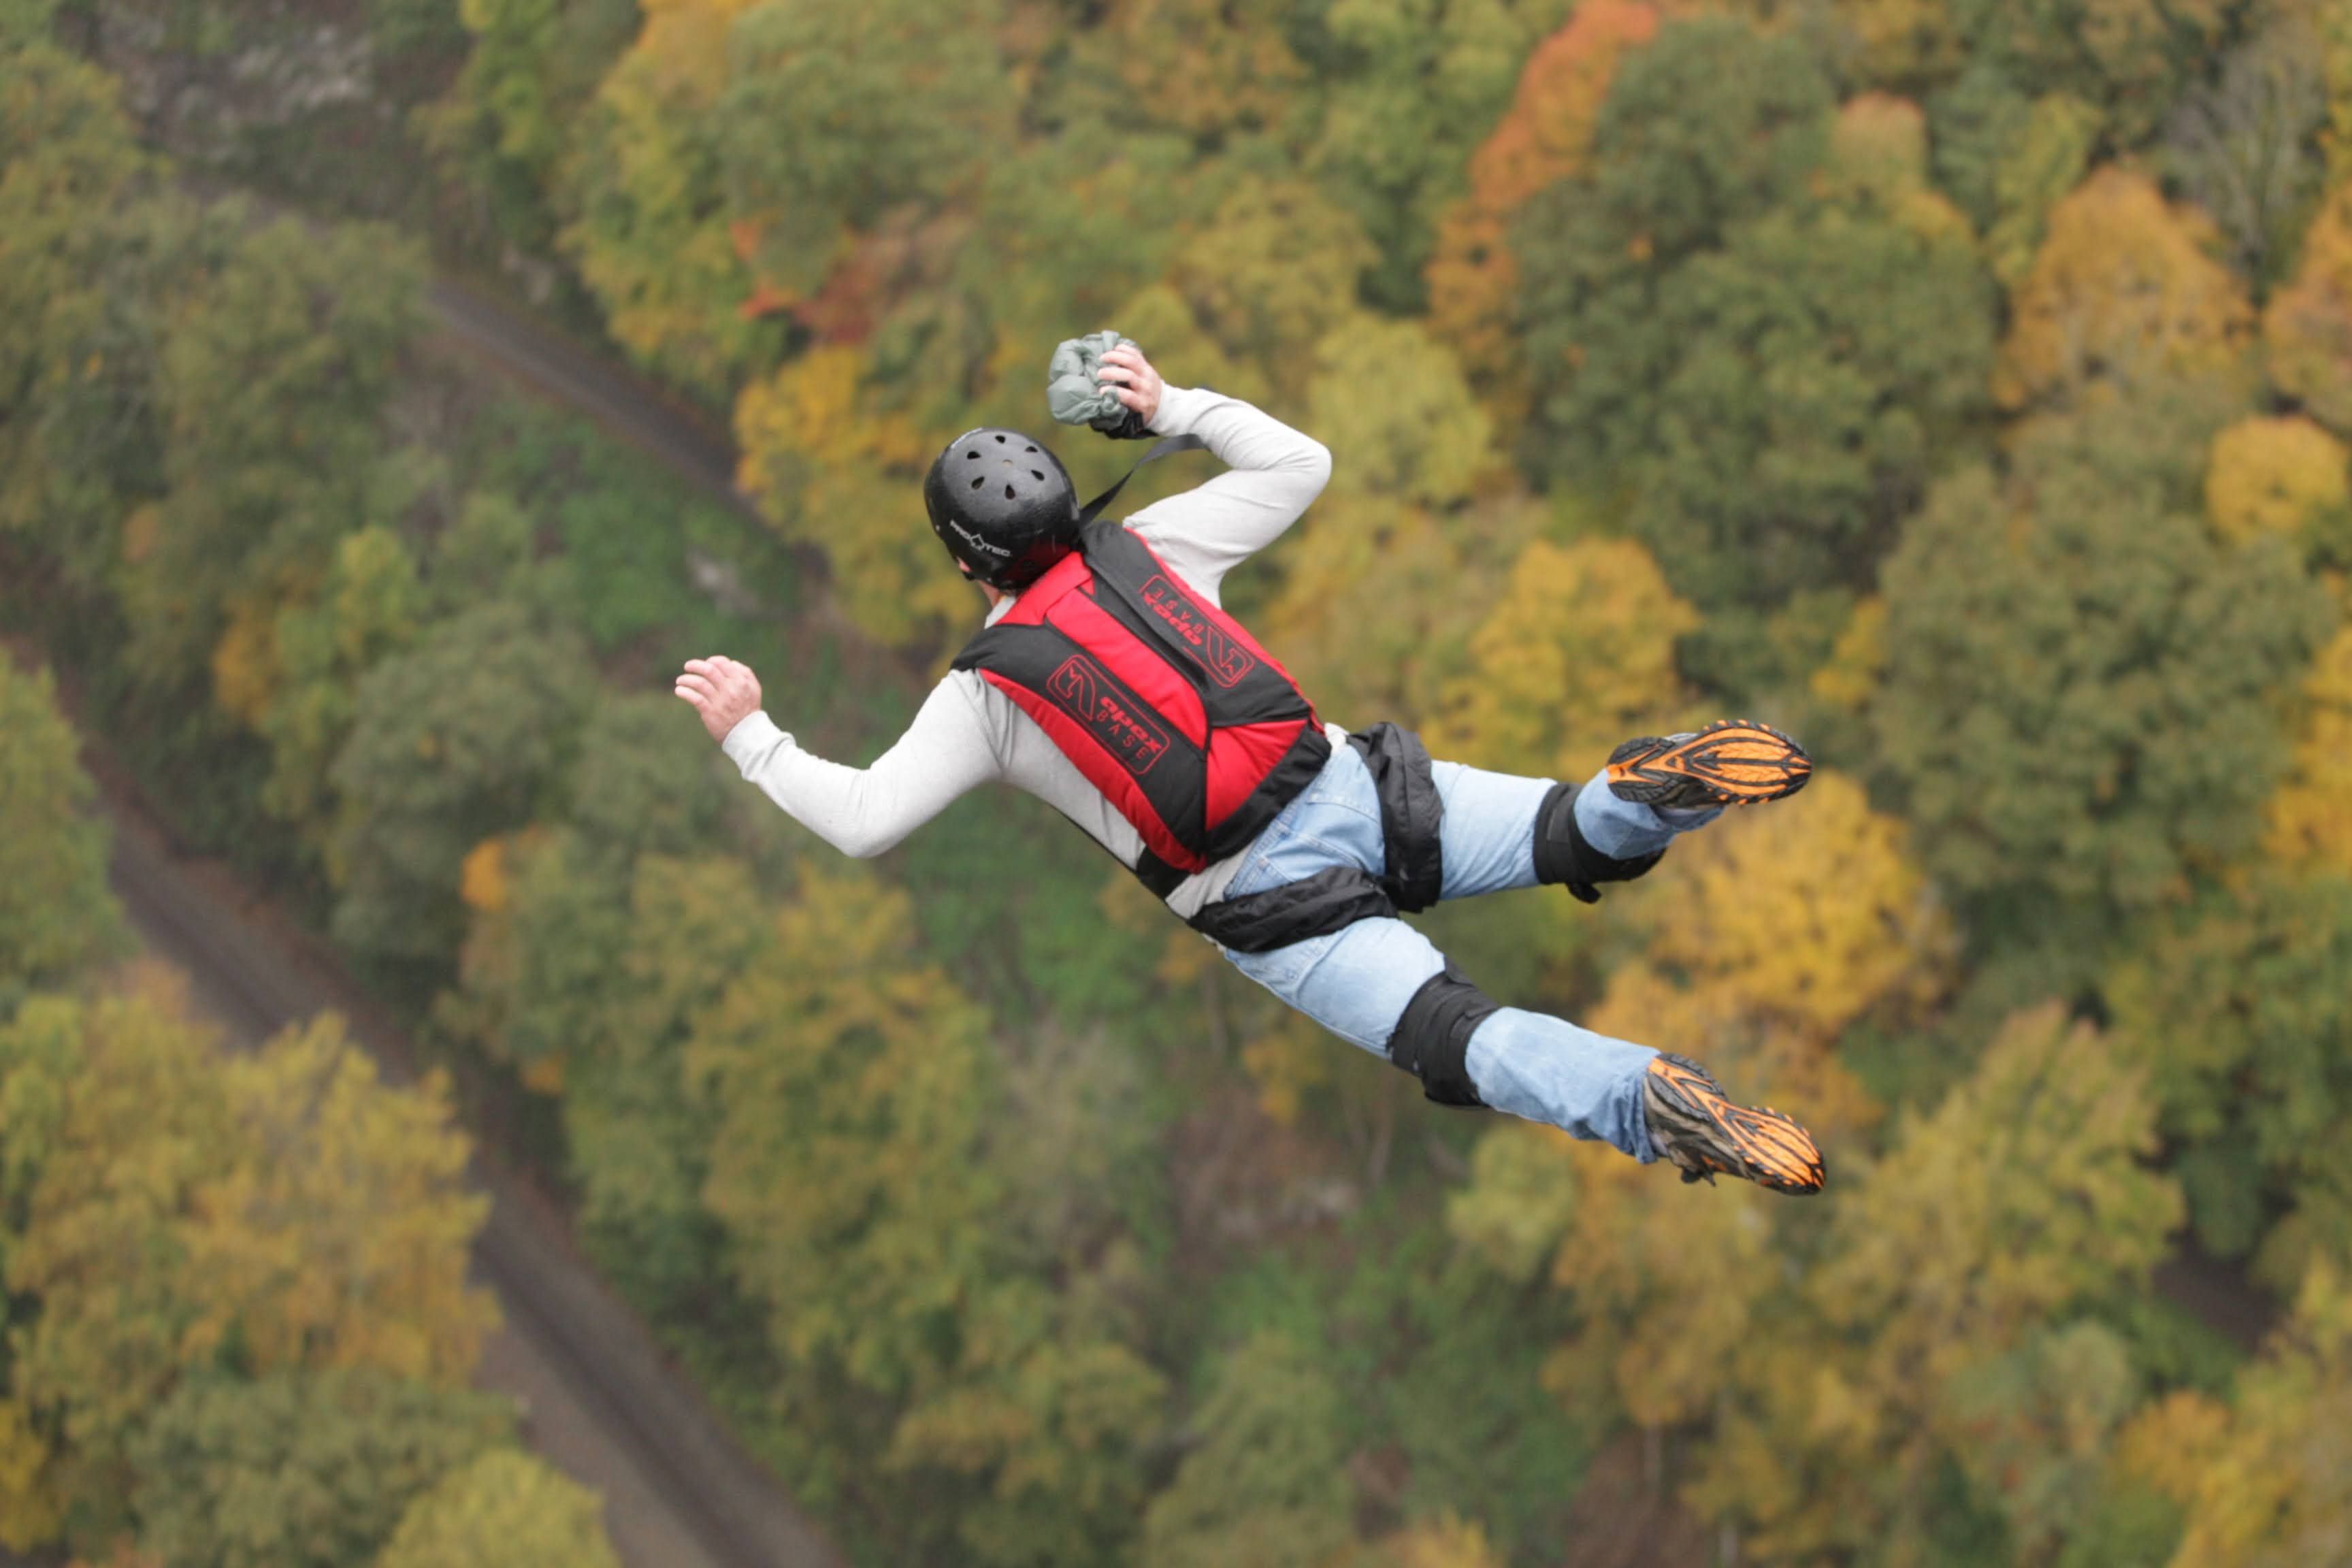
(1565, 860)
(1433, 1037)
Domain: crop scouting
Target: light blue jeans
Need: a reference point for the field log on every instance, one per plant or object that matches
(1357, 981)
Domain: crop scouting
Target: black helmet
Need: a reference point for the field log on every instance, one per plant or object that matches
(1002, 505)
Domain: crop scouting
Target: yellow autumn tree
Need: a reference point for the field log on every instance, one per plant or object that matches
(849, 1080)
(1392, 404)
(162, 1206)
(648, 240)
(1947, 1322)
(1446, 1542)
(1772, 933)
(2124, 289)
(341, 1232)
(1667, 1281)
(111, 1115)
(2307, 325)
(505, 1507)
(1578, 649)
(1473, 277)
(2311, 815)
(1380, 597)
(1271, 277)
(2274, 475)
(833, 468)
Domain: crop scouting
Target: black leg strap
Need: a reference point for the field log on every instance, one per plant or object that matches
(1432, 1035)
(1411, 812)
(1329, 901)
(1563, 858)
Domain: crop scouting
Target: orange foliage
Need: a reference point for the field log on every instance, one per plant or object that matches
(1473, 278)
(2123, 289)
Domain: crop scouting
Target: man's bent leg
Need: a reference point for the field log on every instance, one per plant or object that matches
(1494, 825)
(1361, 982)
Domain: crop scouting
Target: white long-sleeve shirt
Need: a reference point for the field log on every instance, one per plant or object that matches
(968, 733)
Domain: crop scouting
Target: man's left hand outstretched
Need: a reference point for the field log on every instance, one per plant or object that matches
(723, 692)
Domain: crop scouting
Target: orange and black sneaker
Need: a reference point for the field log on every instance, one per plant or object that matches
(1694, 1125)
(1732, 762)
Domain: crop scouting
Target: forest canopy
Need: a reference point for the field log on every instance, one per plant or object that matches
(1961, 387)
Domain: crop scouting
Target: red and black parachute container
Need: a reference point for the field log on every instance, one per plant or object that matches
(1191, 731)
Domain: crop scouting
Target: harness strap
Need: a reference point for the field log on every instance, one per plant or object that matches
(1161, 448)
(1411, 813)
(1339, 895)
(1333, 898)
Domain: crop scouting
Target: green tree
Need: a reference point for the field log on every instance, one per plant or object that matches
(2080, 680)
(640, 1123)
(275, 375)
(302, 1469)
(453, 741)
(68, 166)
(2236, 1010)
(57, 914)
(1267, 1484)
(508, 1507)
(1771, 375)
(2128, 60)
(291, 677)
(841, 115)
(509, 120)
(851, 1091)
(2244, 143)
(1411, 85)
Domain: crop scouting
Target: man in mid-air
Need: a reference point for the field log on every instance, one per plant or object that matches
(1108, 681)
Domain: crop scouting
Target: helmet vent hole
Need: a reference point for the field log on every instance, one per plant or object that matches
(1038, 475)
(974, 455)
(1008, 493)
(979, 481)
(1032, 447)
(1000, 440)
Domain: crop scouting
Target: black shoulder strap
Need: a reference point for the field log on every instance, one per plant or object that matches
(1161, 448)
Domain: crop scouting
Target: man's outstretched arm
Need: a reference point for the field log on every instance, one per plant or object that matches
(858, 811)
